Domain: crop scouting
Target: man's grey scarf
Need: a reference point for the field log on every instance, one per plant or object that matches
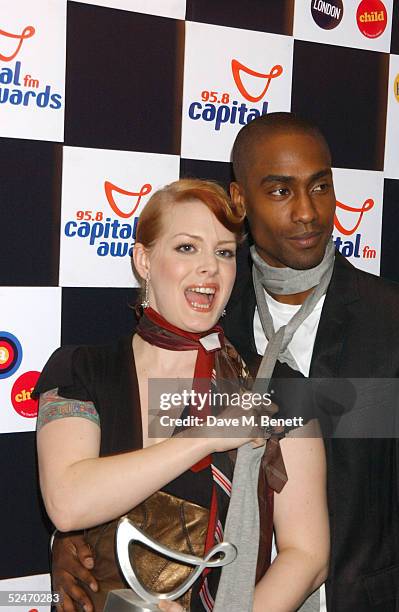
(286, 281)
(235, 592)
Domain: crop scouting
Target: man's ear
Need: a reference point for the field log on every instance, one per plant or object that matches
(141, 260)
(237, 199)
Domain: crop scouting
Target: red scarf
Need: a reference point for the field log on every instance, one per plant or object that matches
(156, 330)
(153, 328)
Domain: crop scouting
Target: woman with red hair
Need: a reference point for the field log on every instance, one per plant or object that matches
(186, 243)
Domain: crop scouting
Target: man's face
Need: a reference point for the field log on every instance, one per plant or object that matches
(289, 197)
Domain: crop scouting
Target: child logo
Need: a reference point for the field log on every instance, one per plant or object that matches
(110, 188)
(27, 32)
(371, 18)
(10, 354)
(237, 68)
(21, 395)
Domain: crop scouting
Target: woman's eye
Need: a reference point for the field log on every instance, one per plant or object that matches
(185, 248)
(228, 253)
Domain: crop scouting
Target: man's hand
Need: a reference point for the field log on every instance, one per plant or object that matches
(72, 559)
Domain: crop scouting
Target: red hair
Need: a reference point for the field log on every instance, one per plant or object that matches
(211, 194)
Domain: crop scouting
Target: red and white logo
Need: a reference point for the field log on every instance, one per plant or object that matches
(27, 32)
(21, 392)
(238, 68)
(103, 195)
(372, 18)
(367, 205)
(133, 196)
(354, 235)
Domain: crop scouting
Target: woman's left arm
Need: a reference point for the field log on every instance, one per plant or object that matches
(301, 528)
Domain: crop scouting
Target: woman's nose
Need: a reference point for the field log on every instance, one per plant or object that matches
(209, 264)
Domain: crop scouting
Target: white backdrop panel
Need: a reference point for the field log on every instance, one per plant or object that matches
(32, 69)
(163, 8)
(346, 32)
(239, 74)
(391, 167)
(103, 193)
(33, 316)
(40, 582)
(358, 220)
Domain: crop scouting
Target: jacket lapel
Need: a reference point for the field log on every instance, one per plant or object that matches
(335, 320)
(238, 323)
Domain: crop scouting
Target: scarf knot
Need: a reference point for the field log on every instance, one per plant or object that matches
(287, 281)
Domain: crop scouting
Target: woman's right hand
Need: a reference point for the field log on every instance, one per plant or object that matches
(228, 431)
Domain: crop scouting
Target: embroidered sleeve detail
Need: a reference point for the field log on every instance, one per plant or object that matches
(52, 406)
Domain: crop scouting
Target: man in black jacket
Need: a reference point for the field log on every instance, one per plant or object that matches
(283, 179)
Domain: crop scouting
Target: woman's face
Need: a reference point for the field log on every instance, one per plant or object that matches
(192, 267)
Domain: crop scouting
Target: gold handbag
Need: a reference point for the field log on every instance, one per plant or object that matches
(174, 522)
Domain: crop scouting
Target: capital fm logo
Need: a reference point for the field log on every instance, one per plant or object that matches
(18, 87)
(327, 15)
(110, 236)
(372, 18)
(349, 241)
(221, 107)
(10, 354)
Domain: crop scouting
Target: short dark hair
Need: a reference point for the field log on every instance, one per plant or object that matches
(267, 125)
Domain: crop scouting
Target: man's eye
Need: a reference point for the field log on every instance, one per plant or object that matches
(185, 248)
(321, 187)
(281, 191)
(227, 253)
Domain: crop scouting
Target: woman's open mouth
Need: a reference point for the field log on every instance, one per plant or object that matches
(200, 297)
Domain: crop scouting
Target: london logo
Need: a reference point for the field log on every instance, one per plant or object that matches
(222, 107)
(327, 15)
(352, 244)
(10, 354)
(110, 236)
(371, 18)
(20, 88)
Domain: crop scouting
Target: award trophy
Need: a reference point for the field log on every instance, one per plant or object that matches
(141, 599)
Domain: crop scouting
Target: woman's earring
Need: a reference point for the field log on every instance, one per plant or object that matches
(146, 302)
(223, 312)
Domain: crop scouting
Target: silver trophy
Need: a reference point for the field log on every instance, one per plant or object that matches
(141, 599)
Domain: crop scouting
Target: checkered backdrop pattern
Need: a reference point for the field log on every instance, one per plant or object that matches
(103, 102)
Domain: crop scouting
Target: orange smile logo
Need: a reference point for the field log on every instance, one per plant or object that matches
(237, 68)
(367, 205)
(27, 32)
(109, 192)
